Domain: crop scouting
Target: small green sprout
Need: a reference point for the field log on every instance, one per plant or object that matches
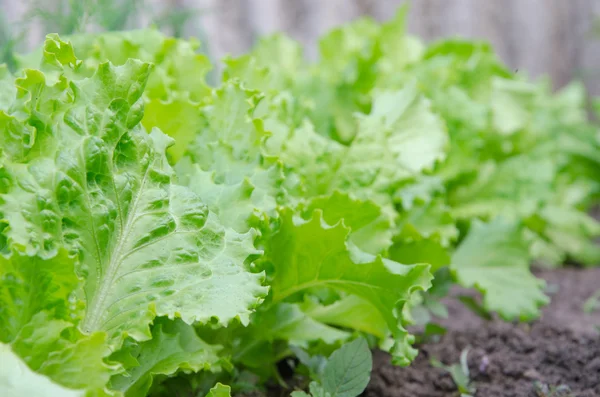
(459, 373)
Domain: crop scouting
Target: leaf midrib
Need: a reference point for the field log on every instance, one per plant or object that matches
(94, 312)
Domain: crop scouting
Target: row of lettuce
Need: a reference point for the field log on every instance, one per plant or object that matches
(160, 235)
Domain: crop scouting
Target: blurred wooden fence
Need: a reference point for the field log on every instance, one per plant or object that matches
(542, 37)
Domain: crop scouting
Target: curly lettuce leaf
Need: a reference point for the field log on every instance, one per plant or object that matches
(79, 364)
(433, 221)
(240, 205)
(515, 188)
(494, 258)
(305, 153)
(371, 228)
(227, 164)
(174, 348)
(179, 67)
(399, 139)
(117, 202)
(311, 254)
(274, 64)
(39, 313)
(97, 234)
(175, 88)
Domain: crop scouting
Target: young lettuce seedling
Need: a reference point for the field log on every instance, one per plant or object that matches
(460, 374)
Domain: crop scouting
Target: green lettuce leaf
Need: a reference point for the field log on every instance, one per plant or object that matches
(17, 380)
(274, 64)
(371, 228)
(119, 272)
(311, 254)
(96, 232)
(39, 312)
(572, 232)
(174, 347)
(283, 322)
(399, 139)
(32, 285)
(351, 311)
(220, 390)
(175, 87)
(494, 258)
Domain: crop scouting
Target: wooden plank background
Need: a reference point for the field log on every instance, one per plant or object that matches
(541, 37)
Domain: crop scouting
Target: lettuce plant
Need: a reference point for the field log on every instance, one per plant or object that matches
(158, 234)
(99, 241)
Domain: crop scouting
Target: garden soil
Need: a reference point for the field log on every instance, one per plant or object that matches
(558, 355)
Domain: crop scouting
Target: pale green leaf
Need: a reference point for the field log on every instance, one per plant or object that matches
(421, 191)
(428, 221)
(400, 138)
(177, 117)
(494, 258)
(179, 68)
(103, 187)
(572, 232)
(229, 139)
(398, 49)
(272, 65)
(55, 348)
(239, 205)
(80, 364)
(313, 157)
(515, 188)
(17, 380)
(510, 103)
(371, 230)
